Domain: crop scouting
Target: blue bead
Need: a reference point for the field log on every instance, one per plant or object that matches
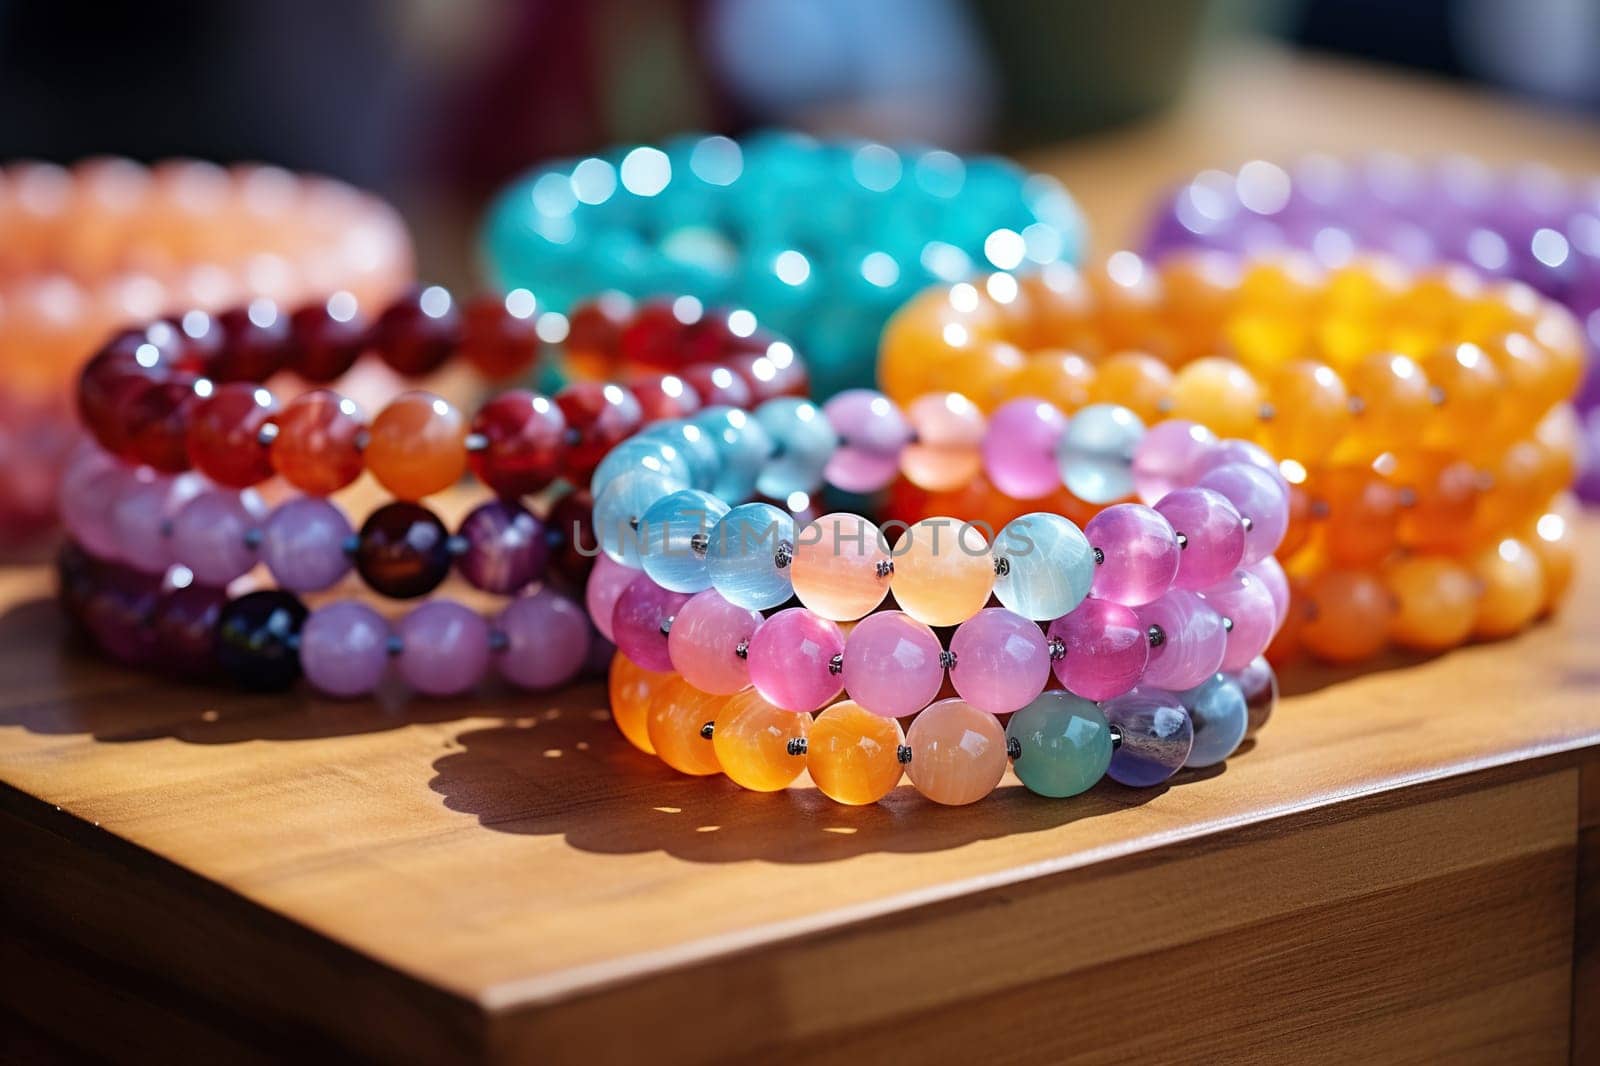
(1062, 744)
(1220, 715)
(1156, 736)
(619, 512)
(677, 538)
(742, 445)
(805, 442)
(1043, 565)
(639, 453)
(693, 444)
(1096, 452)
(748, 556)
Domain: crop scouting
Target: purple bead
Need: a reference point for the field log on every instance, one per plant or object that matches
(892, 665)
(303, 544)
(1270, 571)
(506, 547)
(1019, 448)
(211, 535)
(601, 651)
(605, 584)
(1002, 660)
(792, 660)
(185, 627)
(444, 648)
(1156, 736)
(1211, 532)
(344, 649)
(1245, 602)
(1233, 450)
(872, 432)
(641, 620)
(1189, 645)
(1139, 554)
(119, 612)
(708, 640)
(142, 514)
(1259, 684)
(547, 639)
(1106, 649)
(1166, 457)
(1259, 499)
(89, 490)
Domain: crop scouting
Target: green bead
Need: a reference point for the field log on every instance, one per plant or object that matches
(1060, 743)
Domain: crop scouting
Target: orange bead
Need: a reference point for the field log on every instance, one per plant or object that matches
(1518, 485)
(677, 714)
(1135, 380)
(853, 755)
(1469, 391)
(631, 688)
(1441, 494)
(1553, 536)
(945, 452)
(751, 740)
(317, 447)
(935, 332)
(943, 572)
(1360, 512)
(1394, 401)
(1220, 394)
(1310, 411)
(417, 445)
(1436, 602)
(1561, 335)
(1301, 520)
(987, 370)
(1347, 616)
(1512, 580)
(958, 753)
(1527, 372)
(1062, 378)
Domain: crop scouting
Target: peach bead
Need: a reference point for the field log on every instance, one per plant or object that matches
(1435, 602)
(1512, 579)
(417, 445)
(631, 688)
(943, 573)
(1553, 536)
(1310, 411)
(1062, 378)
(1346, 616)
(958, 753)
(853, 755)
(944, 454)
(751, 741)
(1219, 394)
(1136, 380)
(841, 569)
(677, 714)
(1394, 404)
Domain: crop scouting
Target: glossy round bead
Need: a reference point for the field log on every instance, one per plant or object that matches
(668, 396)
(1310, 410)
(1553, 536)
(602, 589)
(958, 753)
(1219, 716)
(224, 439)
(708, 640)
(1136, 380)
(344, 649)
(1394, 401)
(500, 334)
(1105, 649)
(1259, 684)
(1063, 744)
(640, 454)
(523, 437)
(1250, 615)
(892, 665)
(741, 447)
(1218, 393)
(403, 551)
(945, 452)
(254, 343)
(318, 445)
(140, 516)
(1270, 573)
(853, 755)
(1095, 454)
(792, 660)
(1361, 515)
(546, 641)
(630, 688)
(118, 612)
(1435, 602)
(1167, 456)
(674, 719)
(1190, 644)
(750, 556)
(257, 638)
(694, 444)
(417, 445)
(598, 417)
(1260, 499)
(677, 538)
(574, 548)
(185, 630)
(751, 740)
(211, 535)
(1156, 737)
(155, 421)
(322, 345)
(804, 442)
(506, 548)
(943, 572)
(418, 332)
(1043, 565)
(872, 432)
(1512, 582)
(1211, 532)
(303, 544)
(1346, 616)
(619, 513)
(641, 620)
(444, 648)
(1138, 554)
(841, 568)
(1002, 660)
(1019, 449)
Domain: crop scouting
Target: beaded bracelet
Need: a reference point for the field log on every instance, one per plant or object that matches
(86, 250)
(1425, 480)
(821, 240)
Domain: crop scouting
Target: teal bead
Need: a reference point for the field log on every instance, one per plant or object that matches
(748, 556)
(619, 513)
(693, 444)
(1220, 714)
(1095, 453)
(1061, 744)
(639, 453)
(804, 441)
(677, 539)
(1044, 565)
(742, 446)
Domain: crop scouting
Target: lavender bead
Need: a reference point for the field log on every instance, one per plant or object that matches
(444, 648)
(1212, 534)
(1019, 449)
(303, 544)
(88, 492)
(1259, 499)
(211, 534)
(1002, 661)
(1156, 736)
(1187, 641)
(1139, 554)
(1245, 602)
(606, 582)
(872, 432)
(142, 514)
(1270, 573)
(892, 665)
(1218, 714)
(547, 639)
(1105, 649)
(1240, 451)
(506, 548)
(641, 620)
(1166, 456)
(344, 649)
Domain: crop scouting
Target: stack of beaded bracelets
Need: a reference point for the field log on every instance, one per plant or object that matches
(821, 240)
(1144, 608)
(163, 399)
(108, 242)
(1421, 422)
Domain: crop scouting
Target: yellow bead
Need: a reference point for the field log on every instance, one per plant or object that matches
(1135, 380)
(943, 573)
(677, 715)
(631, 688)
(1310, 411)
(1527, 373)
(987, 371)
(751, 739)
(1436, 602)
(1217, 393)
(853, 755)
(1512, 581)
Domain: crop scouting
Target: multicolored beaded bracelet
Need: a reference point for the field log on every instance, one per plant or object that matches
(1420, 422)
(821, 240)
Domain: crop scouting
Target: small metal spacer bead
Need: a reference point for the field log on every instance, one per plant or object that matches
(700, 544)
(292, 641)
(394, 646)
(1268, 412)
(457, 545)
(1436, 395)
(1165, 405)
(742, 650)
(903, 753)
(1099, 557)
(1319, 509)
(666, 624)
(836, 665)
(267, 434)
(1116, 737)
(708, 729)
(1013, 748)
(1002, 566)
(1058, 649)
(252, 538)
(1157, 636)
(1408, 497)
(352, 544)
(476, 442)
(1183, 540)
(783, 556)
(885, 567)
(362, 438)
(1357, 405)
(796, 746)
(166, 531)
(1227, 623)
(947, 659)
(1247, 522)
(572, 437)
(498, 641)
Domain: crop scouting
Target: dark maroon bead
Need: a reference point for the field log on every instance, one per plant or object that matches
(664, 396)
(185, 626)
(1259, 684)
(418, 332)
(599, 417)
(573, 543)
(255, 343)
(524, 438)
(323, 346)
(199, 338)
(499, 335)
(124, 366)
(719, 386)
(601, 650)
(119, 612)
(655, 338)
(154, 421)
(506, 548)
(712, 340)
(258, 637)
(594, 329)
(403, 551)
(77, 577)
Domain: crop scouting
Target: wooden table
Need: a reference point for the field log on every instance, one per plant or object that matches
(1404, 866)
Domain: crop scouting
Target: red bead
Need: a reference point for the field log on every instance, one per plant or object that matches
(155, 421)
(600, 417)
(594, 329)
(418, 332)
(225, 435)
(197, 338)
(571, 523)
(499, 335)
(713, 340)
(317, 449)
(524, 438)
(255, 343)
(663, 396)
(657, 337)
(719, 386)
(128, 362)
(779, 373)
(323, 345)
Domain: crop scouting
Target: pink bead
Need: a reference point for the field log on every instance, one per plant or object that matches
(705, 639)
(211, 534)
(892, 665)
(1270, 571)
(344, 649)
(791, 660)
(1106, 649)
(1166, 457)
(1251, 616)
(1002, 660)
(444, 648)
(641, 620)
(88, 492)
(1019, 450)
(1189, 646)
(547, 641)
(1233, 450)
(872, 432)
(1211, 532)
(606, 582)
(1140, 554)
(141, 515)
(1260, 499)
